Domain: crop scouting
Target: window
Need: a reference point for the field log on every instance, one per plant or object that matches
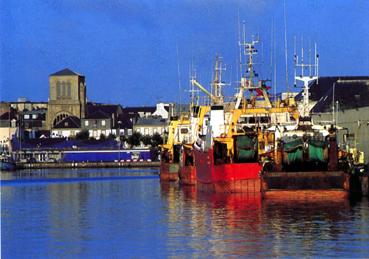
(68, 90)
(103, 123)
(86, 123)
(184, 131)
(34, 116)
(63, 89)
(66, 124)
(58, 90)
(26, 116)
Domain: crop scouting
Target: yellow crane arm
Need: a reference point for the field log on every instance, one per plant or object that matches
(202, 113)
(194, 82)
(232, 123)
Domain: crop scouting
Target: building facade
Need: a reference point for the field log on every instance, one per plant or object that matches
(67, 97)
(150, 126)
(344, 101)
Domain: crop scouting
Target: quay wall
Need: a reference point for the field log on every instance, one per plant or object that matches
(46, 165)
(356, 121)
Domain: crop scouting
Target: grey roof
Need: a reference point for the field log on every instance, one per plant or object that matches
(325, 83)
(124, 121)
(71, 122)
(65, 72)
(350, 94)
(150, 109)
(102, 111)
(12, 115)
(150, 121)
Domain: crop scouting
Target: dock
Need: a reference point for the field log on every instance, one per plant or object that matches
(65, 165)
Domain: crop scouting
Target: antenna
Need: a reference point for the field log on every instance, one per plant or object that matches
(194, 94)
(333, 117)
(179, 82)
(271, 47)
(295, 61)
(306, 79)
(218, 83)
(285, 44)
(239, 47)
(247, 80)
(275, 66)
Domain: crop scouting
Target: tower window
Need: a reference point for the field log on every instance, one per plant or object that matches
(58, 90)
(63, 88)
(68, 90)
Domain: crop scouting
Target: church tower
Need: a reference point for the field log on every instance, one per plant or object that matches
(67, 97)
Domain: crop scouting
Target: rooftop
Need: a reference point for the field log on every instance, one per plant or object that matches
(102, 111)
(349, 92)
(151, 121)
(321, 86)
(71, 122)
(150, 109)
(65, 72)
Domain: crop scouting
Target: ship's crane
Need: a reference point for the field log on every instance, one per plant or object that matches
(217, 84)
(202, 88)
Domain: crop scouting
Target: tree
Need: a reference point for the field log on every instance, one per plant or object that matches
(135, 139)
(157, 140)
(146, 140)
(123, 138)
(83, 135)
(102, 137)
(111, 136)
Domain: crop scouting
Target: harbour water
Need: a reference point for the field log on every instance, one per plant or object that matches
(114, 213)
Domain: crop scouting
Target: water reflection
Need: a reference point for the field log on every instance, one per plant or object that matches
(247, 226)
(142, 218)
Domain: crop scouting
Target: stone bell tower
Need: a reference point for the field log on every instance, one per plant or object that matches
(67, 97)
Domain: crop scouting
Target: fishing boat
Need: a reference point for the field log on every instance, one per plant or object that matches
(187, 168)
(7, 163)
(229, 157)
(305, 164)
(178, 132)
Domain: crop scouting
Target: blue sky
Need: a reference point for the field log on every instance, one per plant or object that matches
(127, 49)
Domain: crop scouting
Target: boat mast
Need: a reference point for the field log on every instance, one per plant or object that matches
(313, 74)
(247, 80)
(217, 83)
(179, 81)
(194, 94)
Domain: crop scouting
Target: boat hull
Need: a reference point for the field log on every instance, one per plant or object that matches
(226, 178)
(7, 166)
(305, 185)
(169, 172)
(187, 175)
